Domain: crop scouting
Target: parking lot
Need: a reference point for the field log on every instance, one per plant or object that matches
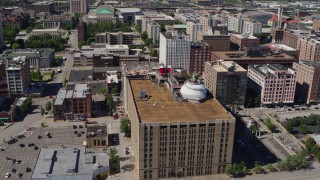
(27, 148)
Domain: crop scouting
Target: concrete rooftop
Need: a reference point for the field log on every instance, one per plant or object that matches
(162, 108)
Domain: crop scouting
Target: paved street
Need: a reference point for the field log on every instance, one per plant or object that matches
(30, 120)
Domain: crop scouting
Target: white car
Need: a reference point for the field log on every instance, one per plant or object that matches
(7, 175)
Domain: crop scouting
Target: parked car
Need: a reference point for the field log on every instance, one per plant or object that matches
(22, 145)
(7, 175)
(19, 175)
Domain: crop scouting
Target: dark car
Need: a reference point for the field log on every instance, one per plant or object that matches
(80, 127)
(74, 127)
(22, 145)
(13, 170)
(78, 135)
(35, 147)
(39, 137)
(316, 108)
(19, 175)
(30, 144)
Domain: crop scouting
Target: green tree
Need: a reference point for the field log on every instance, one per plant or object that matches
(102, 91)
(315, 150)
(310, 143)
(138, 29)
(144, 35)
(271, 168)
(294, 162)
(257, 169)
(237, 170)
(125, 126)
(114, 159)
(36, 75)
(270, 125)
(42, 111)
(304, 129)
(318, 156)
(109, 101)
(16, 46)
(48, 106)
(25, 106)
(114, 90)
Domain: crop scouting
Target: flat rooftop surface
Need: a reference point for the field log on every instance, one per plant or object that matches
(161, 107)
(232, 55)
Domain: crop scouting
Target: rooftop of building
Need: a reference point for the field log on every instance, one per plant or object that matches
(29, 53)
(198, 44)
(142, 67)
(270, 69)
(313, 64)
(281, 46)
(226, 66)
(45, 30)
(42, 3)
(69, 163)
(16, 63)
(97, 130)
(180, 26)
(105, 10)
(117, 46)
(240, 55)
(58, 17)
(129, 10)
(241, 36)
(161, 107)
(76, 91)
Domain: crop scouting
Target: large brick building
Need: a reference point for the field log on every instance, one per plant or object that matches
(273, 82)
(309, 48)
(74, 102)
(308, 84)
(240, 42)
(216, 42)
(200, 52)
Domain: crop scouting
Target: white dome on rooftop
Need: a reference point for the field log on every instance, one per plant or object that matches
(193, 91)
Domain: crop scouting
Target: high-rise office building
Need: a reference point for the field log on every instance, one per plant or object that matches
(79, 6)
(252, 27)
(227, 81)
(308, 84)
(175, 50)
(193, 28)
(18, 76)
(153, 30)
(178, 139)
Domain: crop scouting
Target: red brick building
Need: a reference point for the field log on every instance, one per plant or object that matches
(75, 102)
(200, 52)
(240, 42)
(82, 31)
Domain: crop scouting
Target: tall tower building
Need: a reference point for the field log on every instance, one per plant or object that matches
(227, 81)
(79, 6)
(193, 28)
(280, 11)
(18, 76)
(173, 139)
(175, 50)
